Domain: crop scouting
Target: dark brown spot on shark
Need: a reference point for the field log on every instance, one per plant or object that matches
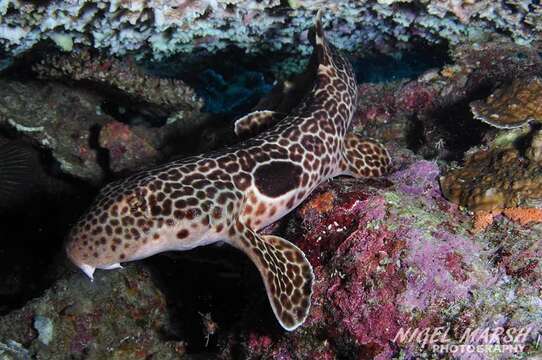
(192, 201)
(182, 234)
(261, 209)
(242, 181)
(277, 178)
(290, 203)
(217, 213)
(135, 233)
(178, 214)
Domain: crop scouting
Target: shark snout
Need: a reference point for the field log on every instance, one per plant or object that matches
(75, 255)
(90, 250)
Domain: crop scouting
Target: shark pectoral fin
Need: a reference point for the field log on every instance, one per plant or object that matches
(363, 157)
(255, 122)
(286, 273)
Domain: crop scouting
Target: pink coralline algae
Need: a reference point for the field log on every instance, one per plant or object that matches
(417, 180)
(364, 298)
(387, 255)
(260, 343)
(443, 269)
(376, 103)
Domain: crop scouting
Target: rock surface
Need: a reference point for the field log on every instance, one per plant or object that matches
(84, 139)
(388, 254)
(163, 28)
(58, 118)
(512, 106)
(120, 315)
(498, 178)
(395, 254)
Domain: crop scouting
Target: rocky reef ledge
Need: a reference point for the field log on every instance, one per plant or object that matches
(449, 240)
(388, 254)
(164, 28)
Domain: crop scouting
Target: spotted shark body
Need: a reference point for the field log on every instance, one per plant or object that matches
(229, 195)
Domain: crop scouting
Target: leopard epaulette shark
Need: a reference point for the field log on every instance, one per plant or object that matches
(229, 195)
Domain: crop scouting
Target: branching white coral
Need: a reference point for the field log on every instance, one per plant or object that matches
(166, 27)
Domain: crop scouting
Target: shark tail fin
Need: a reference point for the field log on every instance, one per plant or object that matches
(317, 37)
(318, 31)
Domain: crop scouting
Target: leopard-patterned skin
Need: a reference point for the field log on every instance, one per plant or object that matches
(230, 194)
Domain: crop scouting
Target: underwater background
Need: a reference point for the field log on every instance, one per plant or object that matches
(91, 91)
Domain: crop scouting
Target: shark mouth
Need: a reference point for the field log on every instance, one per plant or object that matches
(89, 270)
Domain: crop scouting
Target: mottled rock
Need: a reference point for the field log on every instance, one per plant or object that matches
(120, 315)
(70, 122)
(512, 105)
(497, 178)
(395, 254)
(163, 28)
(127, 150)
(58, 118)
(151, 94)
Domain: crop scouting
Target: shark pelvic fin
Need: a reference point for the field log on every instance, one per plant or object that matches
(363, 157)
(286, 273)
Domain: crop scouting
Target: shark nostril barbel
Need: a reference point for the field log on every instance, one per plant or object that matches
(230, 194)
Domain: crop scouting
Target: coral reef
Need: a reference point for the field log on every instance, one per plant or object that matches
(119, 316)
(119, 91)
(72, 123)
(496, 178)
(58, 118)
(431, 114)
(162, 28)
(121, 76)
(388, 254)
(511, 106)
(394, 254)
